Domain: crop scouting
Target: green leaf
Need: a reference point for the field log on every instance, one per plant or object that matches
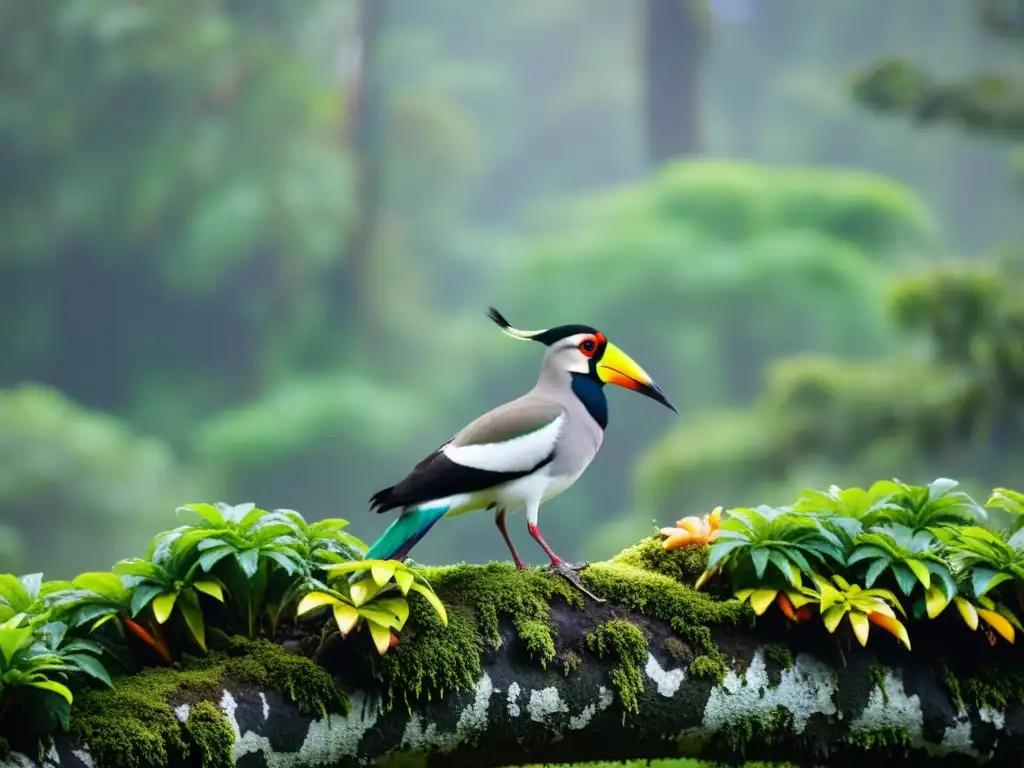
(876, 569)
(985, 579)
(788, 570)
(211, 557)
(904, 577)
(208, 512)
(142, 594)
(833, 616)
(920, 571)
(381, 637)
(363, 591)
(53, 687)
(193, 615)
(102, 583)
(433, 599)
(404, 580)
(314, 600)
(867, 551)
(861, 627)
(210, 587)
(163, 605)
(379, 616)
(91, 666)
(249, 561)
(935, 601)
(382, 573)
(761, 599)
(760, 557)
(346, 617)
(397, 606)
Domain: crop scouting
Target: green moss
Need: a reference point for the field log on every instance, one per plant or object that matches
(626, 643)
(134, 726)
(883, 738)
(764, 728)
(684, 565)
(438, 659)
(709, 667)
(209, 732)
(952, 685)
(677, 649)
(878, 673)
(780, 654)
(570, 662)
(996, 688)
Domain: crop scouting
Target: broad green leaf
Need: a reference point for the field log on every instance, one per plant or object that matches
(985, 579)
(193, 615)
(788, 570)
(346, 617)
(12, 640)
(163, 605)
(249, 560)
(876, 569)
(867, 551)
(350, 565)
(404, 580)
(433, 599)
(53, 687)
(759, 556)
(288, 564)
(102, 583)
(829, 595)
(211, 514)
(861, 627)
(139, 567)
(13, 592)
(314, 600)
(381, 637)
(142, 595)
(91, 666)
(905, 577)
(211, 557)
(211, 588)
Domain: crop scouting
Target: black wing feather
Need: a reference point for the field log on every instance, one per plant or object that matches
(437, 476)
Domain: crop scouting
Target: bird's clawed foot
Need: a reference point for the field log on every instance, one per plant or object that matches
(571, 573)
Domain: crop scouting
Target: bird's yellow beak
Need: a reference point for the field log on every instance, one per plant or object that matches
(616, 367)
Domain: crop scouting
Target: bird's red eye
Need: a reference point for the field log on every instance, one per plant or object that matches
(587, 347)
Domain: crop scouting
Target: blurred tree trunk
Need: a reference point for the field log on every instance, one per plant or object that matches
(350, 285)
(674, 45)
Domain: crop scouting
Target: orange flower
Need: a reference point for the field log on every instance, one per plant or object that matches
(693, 530)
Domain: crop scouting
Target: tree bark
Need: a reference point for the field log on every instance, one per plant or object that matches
(816, 707)
(674, 44)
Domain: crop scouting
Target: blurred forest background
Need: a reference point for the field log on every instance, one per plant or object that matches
(247, 247)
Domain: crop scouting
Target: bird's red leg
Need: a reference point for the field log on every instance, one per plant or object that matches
(499, 519)
(558, 565)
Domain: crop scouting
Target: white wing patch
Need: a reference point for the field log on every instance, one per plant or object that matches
(516, 455)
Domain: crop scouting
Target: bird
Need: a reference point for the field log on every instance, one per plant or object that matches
(521, 453)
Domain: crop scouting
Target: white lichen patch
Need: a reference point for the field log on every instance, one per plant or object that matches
(992, 716)
(416, 737)
(181, 712)
(807, 688)
(892, 708)
(326, 742)
(544, 703)
(582, 720)
(473, 719)
(957, 738)
(266, 705)
(668, 681)
(17, 760)
(513, 699)
(84, 756)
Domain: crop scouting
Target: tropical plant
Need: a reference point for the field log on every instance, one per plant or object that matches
(35, 664)
(371, 599)
(911, 558)
(750, 539)
(1012, 502)
(837, 599)
(19, 595)
(936, 504)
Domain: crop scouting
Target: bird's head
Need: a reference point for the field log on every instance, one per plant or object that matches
(585, 350)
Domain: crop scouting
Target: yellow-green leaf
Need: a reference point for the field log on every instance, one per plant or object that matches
(743, 594)
(315, 600)
(381, 637)
(833, 616)
(999, 624)
(761, 599)
(382, 573)
(967, 611)
(346, 616)
(434, 601)
(211, 588)
(859, 622)
(921, 571)
(101, 621)
(395, 605)
(163, 605)
(829, 596)
(404, 580)
(363, 591)
(935, 601)
(49, 685)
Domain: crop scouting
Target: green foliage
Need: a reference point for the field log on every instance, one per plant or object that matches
(869, 551)
(239, 569)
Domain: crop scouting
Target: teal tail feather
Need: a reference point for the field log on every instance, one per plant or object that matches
(403, 534)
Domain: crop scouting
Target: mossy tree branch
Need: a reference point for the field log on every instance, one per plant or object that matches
(528, 671)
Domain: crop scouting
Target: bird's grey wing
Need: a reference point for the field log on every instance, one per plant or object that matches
(507, 443)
